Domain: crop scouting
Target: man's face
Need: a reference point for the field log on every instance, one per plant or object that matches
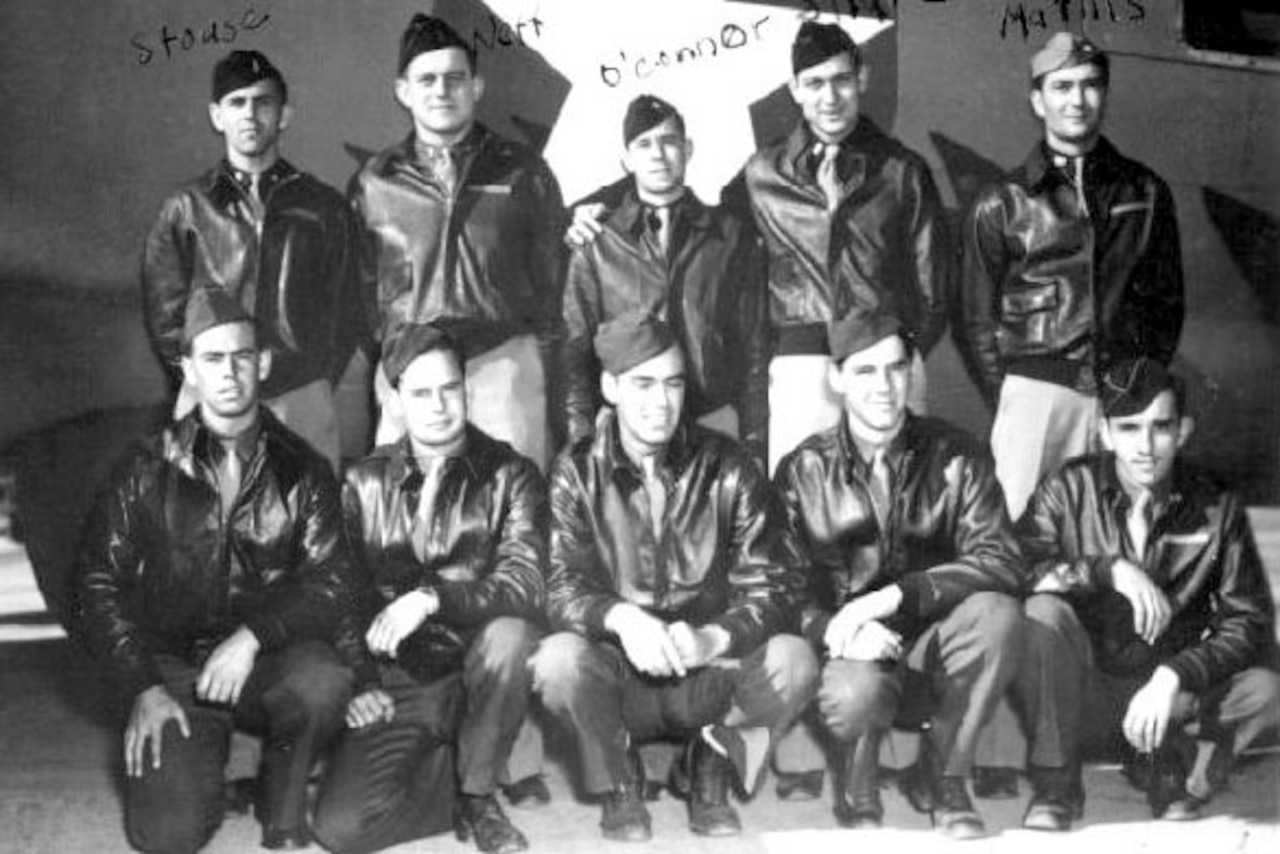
(658, 157)
(440, 91)
(225, 368)
(874, 384)
(648, 399)
(828, 95)
(251, 119)
(1071, 103)
(433, 396)
(1147, 444)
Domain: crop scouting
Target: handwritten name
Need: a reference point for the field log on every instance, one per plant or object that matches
(499, 34)
(1025, 18)
(881, 10)
(730, 37)
(166, 42)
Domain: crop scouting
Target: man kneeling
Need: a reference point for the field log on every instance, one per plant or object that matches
(449, 525)
(666, 586)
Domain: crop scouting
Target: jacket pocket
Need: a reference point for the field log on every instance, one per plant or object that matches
(1029, 313)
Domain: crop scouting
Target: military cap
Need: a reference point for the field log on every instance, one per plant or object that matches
(426, 33)
(630, 340)
(1129, 386)
(816, 43)
(242, 68)
(410, 341)
(645, 113)
(211, 306)
(1066, 50)
(861, 328)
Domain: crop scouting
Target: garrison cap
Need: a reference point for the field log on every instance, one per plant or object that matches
(1129, 386)
(426, 33)
(632, 339)
(208, 307)
(816, 43)
(410, 341)
(1066, 50)
(242, 68)
(645, 113)
(861, 328)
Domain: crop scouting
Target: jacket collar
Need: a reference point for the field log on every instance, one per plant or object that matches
(225, 187)
(403, 469)
(194, 442)
(688, 210)
(1102, 161)
(616, 465)
(1116, 498)
(859, 150)
(404, 154)
(900, 450)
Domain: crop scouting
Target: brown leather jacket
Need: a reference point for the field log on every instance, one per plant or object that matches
(161, 572)
(485, 547)
(886, 244)
(1056, 292)
(717, 561)
(291, 266)
(947, 534)
(711, 287)
(487, 261)
(1200, 552)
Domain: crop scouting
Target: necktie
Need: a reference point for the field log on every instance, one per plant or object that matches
(828, 179)
(443, 167)
(881, 485)
(1140, 525)
(254, 192)
(229, 476)
(1073, 167)
(657, 491)
(660, 226)
(431, 469)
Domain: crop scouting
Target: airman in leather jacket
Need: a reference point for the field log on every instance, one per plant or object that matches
(947, 534)
(162, 573)
(719, 562)
(484, 552)
(1200, 553)
(711, 289)
(290, 265)
(1057, 292)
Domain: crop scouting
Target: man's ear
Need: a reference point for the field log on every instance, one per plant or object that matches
(402, 92)
(188, 370)
(215, 116)
(1186, 427)
(609, 387)
(835, 378)
(265, 357)
(286, 115)
(864, 78)
(1104, 434)
(793, 86)
(477, 86)
(1037, 102)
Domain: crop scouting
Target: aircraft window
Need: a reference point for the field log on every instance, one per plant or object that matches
(1245, 27)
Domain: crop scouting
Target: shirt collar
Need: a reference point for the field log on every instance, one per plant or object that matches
(1118, 498)
(688, 210)
(1040, 168)
(854, 463)
(405, 471)
(619, 466)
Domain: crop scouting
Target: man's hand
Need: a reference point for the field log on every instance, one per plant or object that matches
(1151, 611)
(873, 642)
(845, 624)
(228, 668)
(370, 707)
(698, 647)
(399, 620)
(152, 709)
(1147, 719)
(586, 226)
(645, 640)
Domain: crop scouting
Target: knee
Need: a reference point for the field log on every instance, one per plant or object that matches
(336, 826)
(856, 697)
(996, 619)
(1261, 688)
(181, 826)
(1051, 621)
(792, 667)
(503, 647)
(560, 667)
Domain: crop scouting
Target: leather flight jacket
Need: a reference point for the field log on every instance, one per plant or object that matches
(162, 570)
(290, 263)
(885, 244)
(1200, 552)
(946, 533)
(484, 547)
(717, 559)
(485, 260)
(1056, 289)
(710, 287)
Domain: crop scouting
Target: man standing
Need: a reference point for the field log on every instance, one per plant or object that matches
(1071, 264)
(913, 576)
(699, 269)
(450, 526)
(215, 571)
(1165, 617)
(276, 239)
(461, 228)
(666, 588)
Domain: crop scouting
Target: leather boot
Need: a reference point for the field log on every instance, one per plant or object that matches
(857, 785)
(710, 775)
(480, 817)
(624, 817)
(1057, 798)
